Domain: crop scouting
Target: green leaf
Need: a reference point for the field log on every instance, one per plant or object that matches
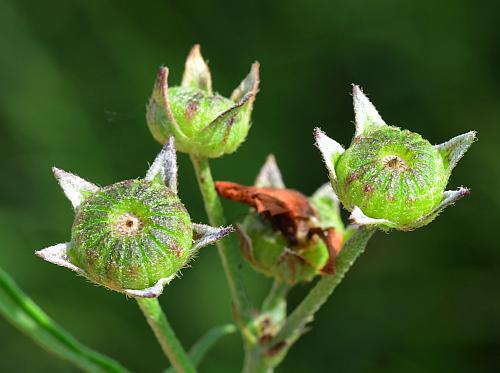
(24, 314)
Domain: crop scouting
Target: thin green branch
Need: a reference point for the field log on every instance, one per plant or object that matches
(23, 313)
(277, 295)
(273, 307)
(157, 320)
(318, 295)
(199, 350)
(201, 347)
(228, 247)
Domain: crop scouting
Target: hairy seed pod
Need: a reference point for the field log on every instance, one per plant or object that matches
(131, 234)
(198, 119)
(389, 177)
(204, 124)
(391, 174)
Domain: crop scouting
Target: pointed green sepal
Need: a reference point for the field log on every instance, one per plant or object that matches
(196, 71)
(159, 116)
(269, 175)
(249, 85)
(164, 167)
(223, 135)
(206, 235)
(366, 115)
(453, 150)
(74, 187)
(330, 150)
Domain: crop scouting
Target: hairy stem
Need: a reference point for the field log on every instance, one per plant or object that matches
(255, 363)
(151, 309)
(228, 247)
(276, 296)
(294, 326)
(23, 313)
(273, 308)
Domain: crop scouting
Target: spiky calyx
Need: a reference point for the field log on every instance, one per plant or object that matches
(390, 177)
(204, 124)
(131, 234)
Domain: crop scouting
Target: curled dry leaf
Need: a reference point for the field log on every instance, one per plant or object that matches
(288, 211)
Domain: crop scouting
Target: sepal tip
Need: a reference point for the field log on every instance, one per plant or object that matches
(269, 175)
(164, 166)
(453, 150)
(152, 292)
(58, 254)
(358, 217)
(250, 84)
(196, 71)
(366, 115)
(74, 187)
(330, 150)
(205, 235)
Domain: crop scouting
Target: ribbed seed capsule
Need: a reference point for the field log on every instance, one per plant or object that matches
(204, 123)
(392, 174)
(194, 110)
(389, 177)
(131, 234)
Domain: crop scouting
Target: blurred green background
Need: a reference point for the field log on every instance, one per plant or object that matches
(74, 79)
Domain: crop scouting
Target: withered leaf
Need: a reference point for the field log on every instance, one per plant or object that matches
(288, 211)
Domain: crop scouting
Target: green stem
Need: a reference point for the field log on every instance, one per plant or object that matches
(274, 306)
(201, 348)
(157, 320)
(305, 311)
(255, 363)
(228, 247)
(276, 296)
(23, 313)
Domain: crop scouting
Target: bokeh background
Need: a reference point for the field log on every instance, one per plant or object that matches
(74, 79)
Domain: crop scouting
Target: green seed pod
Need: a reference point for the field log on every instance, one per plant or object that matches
(130, 234)
(391, 177)
(204, 124)
(265, 237)
(268, 252)
(133, 236)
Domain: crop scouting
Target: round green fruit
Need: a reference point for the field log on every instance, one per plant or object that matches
(391, 174)
(131, 234)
